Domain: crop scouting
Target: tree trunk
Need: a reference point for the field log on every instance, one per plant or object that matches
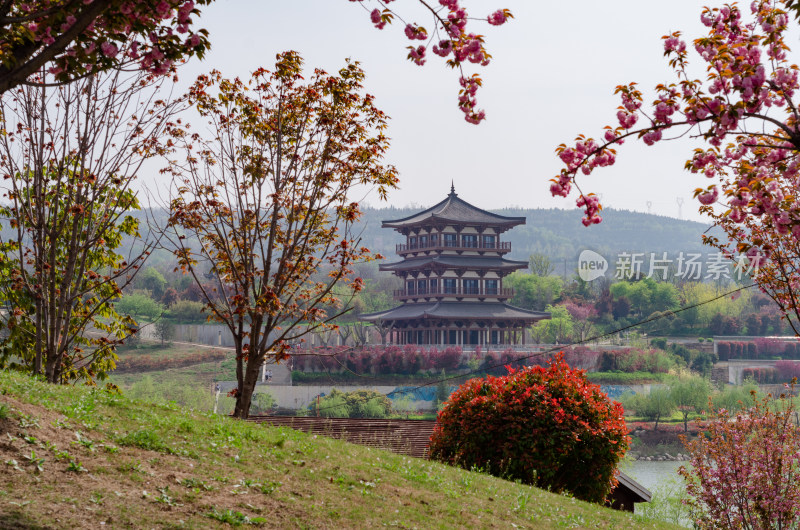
(246, 390)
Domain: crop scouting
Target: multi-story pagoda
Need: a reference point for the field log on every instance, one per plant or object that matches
(452, 269)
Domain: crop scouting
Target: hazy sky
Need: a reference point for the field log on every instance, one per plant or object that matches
(553, 75)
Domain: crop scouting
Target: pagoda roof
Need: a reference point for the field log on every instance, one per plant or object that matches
(455, 310)
(456, 210)
(470, 262)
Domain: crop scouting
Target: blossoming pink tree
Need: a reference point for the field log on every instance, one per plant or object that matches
(450, 39)
(73, 38)
(745, 111)
(745, 469)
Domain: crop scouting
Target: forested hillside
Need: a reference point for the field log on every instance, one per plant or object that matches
(560, 235)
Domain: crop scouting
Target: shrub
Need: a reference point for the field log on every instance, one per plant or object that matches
(769, 347)
(187, 311)
(138, 304)
(724, 350)
(356, 404)
(786, 370)
(764, 376)
(660, 343)
(549, 427)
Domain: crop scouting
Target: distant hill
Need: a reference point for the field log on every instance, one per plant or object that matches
(560, 235)
(555, 233)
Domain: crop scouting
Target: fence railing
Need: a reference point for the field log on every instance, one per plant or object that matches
(502, 246)
(442, 292)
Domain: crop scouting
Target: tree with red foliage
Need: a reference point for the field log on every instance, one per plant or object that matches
(549, 427)
(264, 203)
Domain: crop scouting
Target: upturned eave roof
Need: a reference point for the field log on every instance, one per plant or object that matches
(455, 261)
(457, 310)
(457, 210)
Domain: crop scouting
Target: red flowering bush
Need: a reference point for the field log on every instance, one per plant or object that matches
(549, 427)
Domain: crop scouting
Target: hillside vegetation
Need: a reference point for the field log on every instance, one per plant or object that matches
(75, 457)
(555, 233)
(560, 235)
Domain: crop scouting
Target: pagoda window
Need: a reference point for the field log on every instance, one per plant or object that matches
(434, 239)
(412, 242)
(449, 285)
(423, 241)
(450, 240)
(422, 286)
(469, 240)
(434, 286)
(488, 240)
(410, 287)
(471, 287)
(491, 286)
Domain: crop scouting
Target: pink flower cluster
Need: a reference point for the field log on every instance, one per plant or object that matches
(377, 19)
(417, 54)
(498, 18)
(467, 101)
(459, 44)
(415, 32)
(591, 205)
(709, 197)
(99, 44)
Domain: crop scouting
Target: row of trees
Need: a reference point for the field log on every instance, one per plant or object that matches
(261, 206)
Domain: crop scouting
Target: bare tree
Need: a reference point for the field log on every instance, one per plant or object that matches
(69, 155)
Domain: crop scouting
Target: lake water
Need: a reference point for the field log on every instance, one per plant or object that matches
(664, 483)
(652, 474)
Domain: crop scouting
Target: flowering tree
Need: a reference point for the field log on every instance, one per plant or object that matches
(453, 41)
(744, 470)
(746, 113)
(549, 427)
(74, 38)
(68, 156)
(263, 204)
(581, 314)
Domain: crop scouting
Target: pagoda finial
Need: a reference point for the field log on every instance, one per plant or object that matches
(452, 188)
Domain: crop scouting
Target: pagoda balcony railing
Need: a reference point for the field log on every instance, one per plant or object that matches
(501, 246)
(442, 292)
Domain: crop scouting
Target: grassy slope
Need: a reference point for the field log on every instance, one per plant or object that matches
(140, 465)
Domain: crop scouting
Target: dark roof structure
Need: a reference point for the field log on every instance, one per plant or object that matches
(627, 493)
(455, 210)
(456, 310)
(471, 262)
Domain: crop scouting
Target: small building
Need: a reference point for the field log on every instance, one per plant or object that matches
(452, 269)
(627, 493)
